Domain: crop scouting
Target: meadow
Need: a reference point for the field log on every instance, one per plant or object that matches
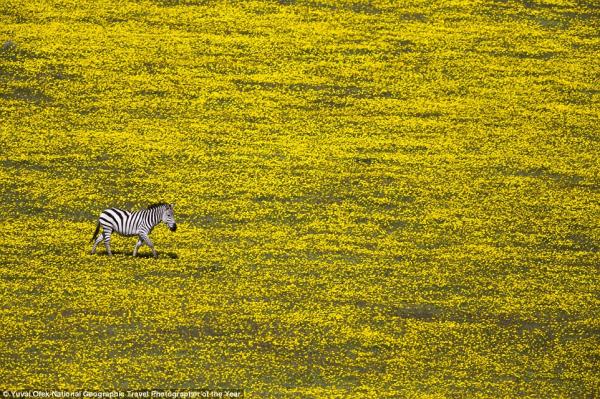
(387, 199)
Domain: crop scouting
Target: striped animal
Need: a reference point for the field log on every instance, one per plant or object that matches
(129, 224)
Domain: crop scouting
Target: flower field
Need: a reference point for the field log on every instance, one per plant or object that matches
(381, 198)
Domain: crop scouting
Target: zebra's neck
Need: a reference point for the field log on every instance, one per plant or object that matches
(153, 216)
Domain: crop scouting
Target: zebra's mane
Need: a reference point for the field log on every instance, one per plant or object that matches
(157, 205)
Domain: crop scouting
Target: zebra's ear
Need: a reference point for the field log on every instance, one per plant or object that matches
(172, 206)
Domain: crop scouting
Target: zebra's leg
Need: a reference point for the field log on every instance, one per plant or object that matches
(98, 239)
(107, 241)
(137, 246)
(146, 239)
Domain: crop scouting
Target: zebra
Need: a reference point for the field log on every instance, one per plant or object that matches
(130, 224)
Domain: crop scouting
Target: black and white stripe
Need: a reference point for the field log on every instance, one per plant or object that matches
(129, 224)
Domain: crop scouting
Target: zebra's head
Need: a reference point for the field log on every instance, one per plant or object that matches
(168, 218)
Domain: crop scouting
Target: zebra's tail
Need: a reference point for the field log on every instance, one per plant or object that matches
(96, 232)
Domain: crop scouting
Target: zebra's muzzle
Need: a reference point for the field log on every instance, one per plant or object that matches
(173, 228)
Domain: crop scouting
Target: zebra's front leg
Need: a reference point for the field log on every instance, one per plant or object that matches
(149, 243)
(107, 242)
(98, 239)
(137, 246)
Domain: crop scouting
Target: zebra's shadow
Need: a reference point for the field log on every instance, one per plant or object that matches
(143, 255)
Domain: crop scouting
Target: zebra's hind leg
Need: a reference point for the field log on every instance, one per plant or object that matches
(96, 242)
(137, 246)
(107, 241)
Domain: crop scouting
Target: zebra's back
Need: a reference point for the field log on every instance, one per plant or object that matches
(123, 222)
